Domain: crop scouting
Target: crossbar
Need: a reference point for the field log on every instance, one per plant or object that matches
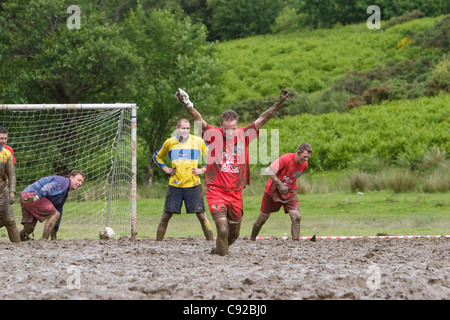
(78, 106)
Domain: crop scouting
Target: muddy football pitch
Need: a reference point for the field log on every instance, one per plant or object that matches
(268, 269)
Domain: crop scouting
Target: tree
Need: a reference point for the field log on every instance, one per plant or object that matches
(176, 55)
(142, 58)
(233, 19)
(43, 61)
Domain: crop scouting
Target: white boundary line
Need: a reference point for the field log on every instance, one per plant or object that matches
(329, 237)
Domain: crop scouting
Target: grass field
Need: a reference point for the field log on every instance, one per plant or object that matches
(329, 214)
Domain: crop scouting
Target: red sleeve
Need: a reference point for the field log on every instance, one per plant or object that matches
(250, 132)
(278, 165)
(12, 152)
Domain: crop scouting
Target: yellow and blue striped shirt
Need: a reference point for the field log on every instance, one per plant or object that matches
(184, 156)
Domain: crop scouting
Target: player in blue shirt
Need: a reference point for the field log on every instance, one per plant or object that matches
(44, 200)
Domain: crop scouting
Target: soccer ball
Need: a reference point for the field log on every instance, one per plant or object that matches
(106, 233)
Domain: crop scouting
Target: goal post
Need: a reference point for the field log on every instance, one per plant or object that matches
(98, 139)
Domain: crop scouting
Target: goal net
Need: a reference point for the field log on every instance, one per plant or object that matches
(99, 140)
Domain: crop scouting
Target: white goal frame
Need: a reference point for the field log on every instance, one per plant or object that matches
(133, 125)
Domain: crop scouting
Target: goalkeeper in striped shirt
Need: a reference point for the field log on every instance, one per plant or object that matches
(184, 151)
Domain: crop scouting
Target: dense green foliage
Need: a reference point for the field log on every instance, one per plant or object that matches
(234, 19)
(323, 61)
(142, 59)
(141, 51)
(372, 137)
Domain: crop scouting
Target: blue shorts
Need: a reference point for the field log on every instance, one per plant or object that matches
(192, 197)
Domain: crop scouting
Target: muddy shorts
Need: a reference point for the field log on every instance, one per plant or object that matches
(192, 197)
(36, 211)
(225, 204)
(268, 205)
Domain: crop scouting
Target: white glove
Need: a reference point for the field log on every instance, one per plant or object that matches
(183, 97)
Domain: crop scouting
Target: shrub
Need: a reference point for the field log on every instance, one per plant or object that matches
(437, 181)
(330, 100)
(355, 101)
(435, 159)
(359, 181)
(303, 186)
(289, 21)
(402, 180)
(414, 14)
(376, 94)
(436, 37)
(440, 79)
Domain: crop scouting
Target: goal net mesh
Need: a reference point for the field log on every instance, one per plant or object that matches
(97, 142)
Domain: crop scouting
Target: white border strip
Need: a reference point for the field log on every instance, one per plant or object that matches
(330, 237)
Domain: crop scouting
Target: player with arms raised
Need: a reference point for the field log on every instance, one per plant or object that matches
(228, 169)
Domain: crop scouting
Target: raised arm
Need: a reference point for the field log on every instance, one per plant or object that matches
(268, 114)
(183, 98)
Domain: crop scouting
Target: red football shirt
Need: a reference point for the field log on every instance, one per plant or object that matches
(288, 171)
(228, 160)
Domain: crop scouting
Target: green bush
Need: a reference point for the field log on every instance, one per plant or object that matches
(393, 133)
(440, 79)
(402, 181)
(359, 181)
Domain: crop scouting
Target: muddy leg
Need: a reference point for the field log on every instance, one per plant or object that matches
(206, 226)
(258, 225)
(295, 226)
(49, 224)
(162, 227)
(10, 224)
(27, 229)
(222, 235)
(233, 232)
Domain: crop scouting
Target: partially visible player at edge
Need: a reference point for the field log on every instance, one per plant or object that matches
(228, 169)
(184, 151)
(7, 187)
(281, 189)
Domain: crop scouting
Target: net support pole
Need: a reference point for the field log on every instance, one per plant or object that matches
(119, 136)
(133, 171)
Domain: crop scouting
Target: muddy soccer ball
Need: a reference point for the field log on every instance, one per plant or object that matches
(106, 233)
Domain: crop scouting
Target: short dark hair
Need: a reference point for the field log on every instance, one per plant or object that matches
(304, 147)
(73, 173)
(3, 130)
(228, 116)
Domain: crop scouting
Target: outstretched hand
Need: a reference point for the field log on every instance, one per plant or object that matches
(283, 95)
(183, 98)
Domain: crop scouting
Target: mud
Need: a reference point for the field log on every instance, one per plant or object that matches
(266, 269)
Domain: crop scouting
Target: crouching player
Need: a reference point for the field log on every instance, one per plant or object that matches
(281, 189)
(44, 200)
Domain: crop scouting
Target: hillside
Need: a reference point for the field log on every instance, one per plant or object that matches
(371, 137)
(311, 60)
(365, 99)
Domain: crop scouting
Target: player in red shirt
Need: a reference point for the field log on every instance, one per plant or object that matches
(281, 189)
(228, 169)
